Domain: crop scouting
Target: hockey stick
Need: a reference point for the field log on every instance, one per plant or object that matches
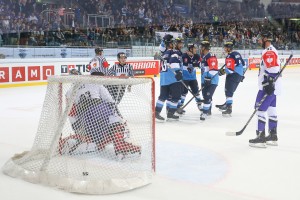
(259, 103)
(181, 108)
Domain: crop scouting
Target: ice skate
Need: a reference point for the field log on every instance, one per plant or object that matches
(203, 117)
(208, 113)
(172, 117)
(259, 141)
(158, 117)
(221, 107)
(227, 112)
(272, 139)
(180, 111)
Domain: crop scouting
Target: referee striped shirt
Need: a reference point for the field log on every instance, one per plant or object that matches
(121, 70)
(99, 64)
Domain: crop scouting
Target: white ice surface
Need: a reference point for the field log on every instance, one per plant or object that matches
(194, 160)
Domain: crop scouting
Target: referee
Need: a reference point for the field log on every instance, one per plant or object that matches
(121, 69)
(99, 63)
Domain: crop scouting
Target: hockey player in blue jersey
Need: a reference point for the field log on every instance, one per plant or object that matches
(190, 60)
(209, 78)
(170, 76)
(234, 70)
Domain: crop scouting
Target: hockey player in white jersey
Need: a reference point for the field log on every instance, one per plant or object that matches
(95, 120)
(269, 70)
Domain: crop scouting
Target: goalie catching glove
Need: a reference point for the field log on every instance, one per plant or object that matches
(268, 85)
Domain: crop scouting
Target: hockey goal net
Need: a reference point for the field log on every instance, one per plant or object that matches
(95, 136)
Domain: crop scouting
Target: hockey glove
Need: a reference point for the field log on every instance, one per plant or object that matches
(268, 85)
(195, 64)
(207, 81)
(221, 72)
(178, 75)
(190, 69)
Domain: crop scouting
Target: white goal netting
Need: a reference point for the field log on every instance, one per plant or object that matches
(95, 136)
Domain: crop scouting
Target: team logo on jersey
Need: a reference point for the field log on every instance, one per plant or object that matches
(95, 65)
(269, 60)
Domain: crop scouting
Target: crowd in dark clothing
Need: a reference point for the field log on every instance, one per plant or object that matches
(24, 22)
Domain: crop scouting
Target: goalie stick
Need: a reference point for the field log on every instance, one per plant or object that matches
(181, 108)
(259, 104)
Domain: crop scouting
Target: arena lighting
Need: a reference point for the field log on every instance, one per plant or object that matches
(295, 19)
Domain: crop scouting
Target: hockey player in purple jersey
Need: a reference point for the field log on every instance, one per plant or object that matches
(269, 69)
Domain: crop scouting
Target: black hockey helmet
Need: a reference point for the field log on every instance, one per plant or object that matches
(205, 44)
(74, 72)
(228, 45)
(267, 34)
(98, 50)
(168, 38)
(121, 54)
(190, 46)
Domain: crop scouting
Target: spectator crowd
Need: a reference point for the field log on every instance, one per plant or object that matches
(30, 23)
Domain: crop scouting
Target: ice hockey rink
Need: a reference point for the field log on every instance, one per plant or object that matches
(194, 160)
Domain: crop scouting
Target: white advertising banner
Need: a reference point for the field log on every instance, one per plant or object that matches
(63, 52)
